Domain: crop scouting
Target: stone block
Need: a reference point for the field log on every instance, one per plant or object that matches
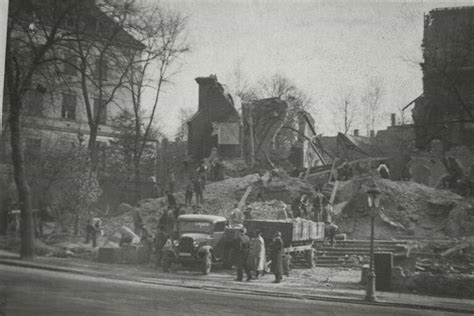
(109, 255)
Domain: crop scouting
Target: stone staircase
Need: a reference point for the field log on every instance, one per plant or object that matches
(347, 253)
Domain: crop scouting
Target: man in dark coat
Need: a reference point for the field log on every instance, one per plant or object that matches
(160, 240)
(277, 257)
(94, 226)
(243, 253)
(330, 231)
(198, 190)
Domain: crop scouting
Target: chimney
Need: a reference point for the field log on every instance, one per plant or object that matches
(205, 86)
(356, 132)
(372, 134)
(393, 119)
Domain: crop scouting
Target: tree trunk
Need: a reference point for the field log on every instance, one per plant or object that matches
(26, 228)
(93, 149)
(136, 167)
(76, 224)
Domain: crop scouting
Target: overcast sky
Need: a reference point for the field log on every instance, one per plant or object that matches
(326, 48)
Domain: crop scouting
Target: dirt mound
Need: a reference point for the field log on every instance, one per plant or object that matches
(407, 208)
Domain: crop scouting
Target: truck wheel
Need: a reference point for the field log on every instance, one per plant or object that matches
(207, 264)
(309, 255)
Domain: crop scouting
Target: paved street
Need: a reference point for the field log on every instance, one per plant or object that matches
(25, 291)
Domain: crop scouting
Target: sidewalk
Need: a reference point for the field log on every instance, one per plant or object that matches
(223, 281)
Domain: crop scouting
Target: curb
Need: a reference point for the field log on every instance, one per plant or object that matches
(273, 293)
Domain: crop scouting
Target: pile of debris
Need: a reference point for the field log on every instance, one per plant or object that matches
(456, 256)
(267, 210)
(407, 208)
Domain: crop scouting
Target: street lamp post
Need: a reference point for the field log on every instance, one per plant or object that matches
(373, 199)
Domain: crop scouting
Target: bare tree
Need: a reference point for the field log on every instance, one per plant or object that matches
(345, 111)
(162, 32)
(34, 29)
(184, 115)
(372, 103)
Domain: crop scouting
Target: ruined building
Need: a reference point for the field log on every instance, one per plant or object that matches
(216, 123)
(262, 119)
(445, 112)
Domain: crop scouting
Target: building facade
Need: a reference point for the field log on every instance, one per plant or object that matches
(445, 112)
(216, 124)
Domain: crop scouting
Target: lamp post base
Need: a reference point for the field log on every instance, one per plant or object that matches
(370, 294)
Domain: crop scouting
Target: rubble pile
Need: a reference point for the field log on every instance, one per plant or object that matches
(267, 210)
(407, 208)
(455, 256)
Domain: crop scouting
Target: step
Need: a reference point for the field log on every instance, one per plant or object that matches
(334, 265)
(380, 249)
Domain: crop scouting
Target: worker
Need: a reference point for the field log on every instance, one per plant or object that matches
(137, 221)
(171, 199)
(243, 253)
(330, 232)
(198, 185)
(277, 257)
(93, 227)
(146, 238)
(236, 217)
(159, 242)
(188, 195)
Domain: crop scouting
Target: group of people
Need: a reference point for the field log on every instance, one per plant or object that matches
(251, 256)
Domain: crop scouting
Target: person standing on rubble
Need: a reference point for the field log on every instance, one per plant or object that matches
(94, 226)
(199, 190)
(188, 194)
(243, 252)
(277, 257)
(295, 207)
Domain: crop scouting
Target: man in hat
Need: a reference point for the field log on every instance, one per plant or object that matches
(277, 257)
(243, 253)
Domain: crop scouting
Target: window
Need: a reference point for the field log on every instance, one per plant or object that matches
(70, 64)
(103, 115)
(68, 110)
(101, 69)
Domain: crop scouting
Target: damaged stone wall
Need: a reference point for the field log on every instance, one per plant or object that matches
(446, 109)
(267, 117)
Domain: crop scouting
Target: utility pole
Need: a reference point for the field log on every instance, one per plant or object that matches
(251, 135)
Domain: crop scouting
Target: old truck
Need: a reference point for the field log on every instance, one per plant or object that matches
(200, 242)
(298, 236)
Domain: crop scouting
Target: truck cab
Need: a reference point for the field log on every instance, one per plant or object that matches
(200, 242)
